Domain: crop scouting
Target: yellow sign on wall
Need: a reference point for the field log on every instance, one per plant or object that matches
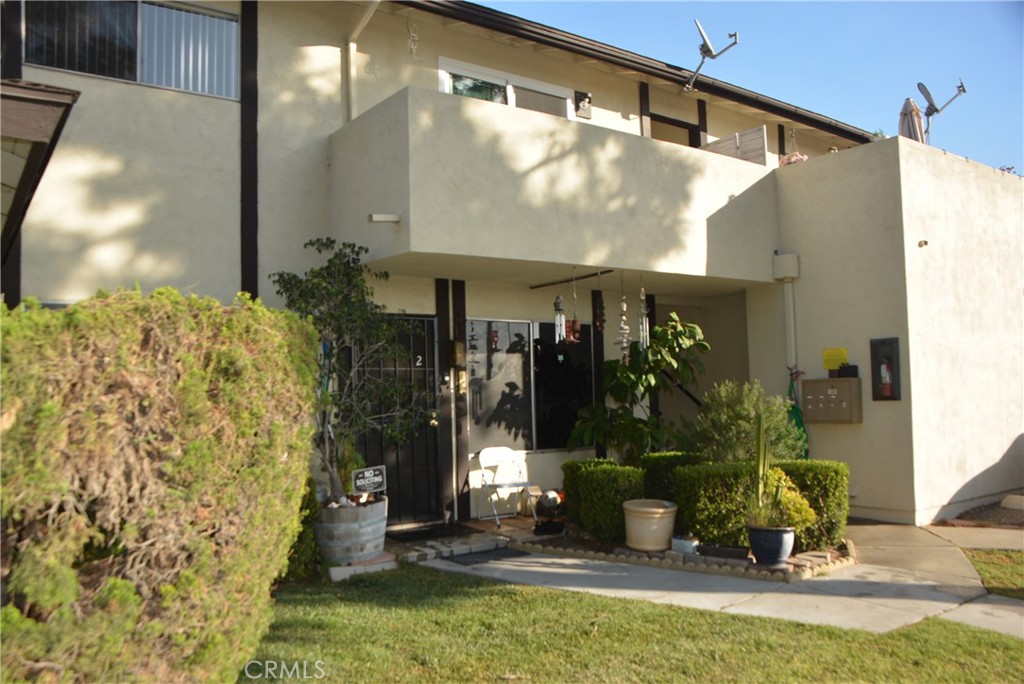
(834, 357)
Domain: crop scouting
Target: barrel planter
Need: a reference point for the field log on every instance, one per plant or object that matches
(352, 534)
(771, 545)
(649, 524)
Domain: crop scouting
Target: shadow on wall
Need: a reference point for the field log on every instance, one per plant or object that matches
(1003, 477)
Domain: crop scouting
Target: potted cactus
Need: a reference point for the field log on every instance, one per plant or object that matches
(777, 512)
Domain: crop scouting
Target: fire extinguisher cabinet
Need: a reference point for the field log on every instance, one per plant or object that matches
(885, 369)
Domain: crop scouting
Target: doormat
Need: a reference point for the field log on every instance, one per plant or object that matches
(429, 532)
(484, 556)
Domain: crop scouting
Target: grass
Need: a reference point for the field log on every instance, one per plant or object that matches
(417, 624)
(1002, 572)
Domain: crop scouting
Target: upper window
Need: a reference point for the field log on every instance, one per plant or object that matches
(469, 80)
(136, 41)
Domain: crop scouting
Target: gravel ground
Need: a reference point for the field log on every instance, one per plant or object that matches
(992, 515)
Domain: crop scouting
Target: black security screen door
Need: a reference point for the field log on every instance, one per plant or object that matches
(414, 470)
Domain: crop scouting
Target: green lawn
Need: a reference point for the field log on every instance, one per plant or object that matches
(417, 624)
(1002, 572)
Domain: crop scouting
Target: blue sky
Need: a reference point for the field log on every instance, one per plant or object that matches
(855, 62)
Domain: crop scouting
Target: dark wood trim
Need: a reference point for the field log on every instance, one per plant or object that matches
(562, 40)
(652, 320)
(443, 313)
(782, 139)
(248, 95)
(461, 399)
(702, 122)
(597, 304)
(691, 129)
(645, 110)
(11, 37)
(10, 271)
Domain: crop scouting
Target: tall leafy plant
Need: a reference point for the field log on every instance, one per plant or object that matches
(357, 338)
(626, 424)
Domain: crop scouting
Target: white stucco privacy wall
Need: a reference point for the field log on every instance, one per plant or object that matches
(964, 247)
(856, 219)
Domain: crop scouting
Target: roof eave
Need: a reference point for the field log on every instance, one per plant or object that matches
(552, 37)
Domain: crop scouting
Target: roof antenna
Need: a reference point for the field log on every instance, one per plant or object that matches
(935, 109)
(708, 50)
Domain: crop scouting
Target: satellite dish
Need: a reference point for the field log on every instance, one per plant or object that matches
(933, 108)
(707, 51)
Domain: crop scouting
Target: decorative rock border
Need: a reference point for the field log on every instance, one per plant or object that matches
(801, 567)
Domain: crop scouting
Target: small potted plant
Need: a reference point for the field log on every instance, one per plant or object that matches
(776, 512)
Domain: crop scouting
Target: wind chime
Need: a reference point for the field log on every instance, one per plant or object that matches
(573, 327)
(644, 323)
(623, 325)
(559, 319)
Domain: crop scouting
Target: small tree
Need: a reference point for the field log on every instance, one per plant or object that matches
(628, 426)
(356, 336)
(726, 429)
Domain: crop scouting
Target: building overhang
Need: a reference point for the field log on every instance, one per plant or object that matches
(33, 116)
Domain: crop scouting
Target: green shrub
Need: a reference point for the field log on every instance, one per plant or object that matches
(725, 428)
(570, 485)
(658, 469)
(826, 486)
(602, 491)
(304, 558)
(154, 455)
(713, 501)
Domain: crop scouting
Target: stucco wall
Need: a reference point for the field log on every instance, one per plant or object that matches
(964, 246)
(538, 188)
(842, 214)
(142, 189)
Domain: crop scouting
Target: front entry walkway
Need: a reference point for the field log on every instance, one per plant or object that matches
(903, 575)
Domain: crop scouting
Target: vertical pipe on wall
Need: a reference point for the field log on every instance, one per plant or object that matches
(788, 294)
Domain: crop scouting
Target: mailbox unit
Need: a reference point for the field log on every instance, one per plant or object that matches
(832, 400)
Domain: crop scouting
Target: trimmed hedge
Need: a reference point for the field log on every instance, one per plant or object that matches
(658, 469)
(155, 451)
(712, 500)
(826, 486)
(602, 490)
(570, 485)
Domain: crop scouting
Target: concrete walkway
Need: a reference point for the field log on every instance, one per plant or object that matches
(903, 575)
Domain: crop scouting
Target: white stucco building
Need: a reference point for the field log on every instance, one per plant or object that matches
(482, 157)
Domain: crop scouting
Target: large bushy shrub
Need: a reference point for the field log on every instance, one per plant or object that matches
(826, 486)
(603, 489)
(725, 429)
(658, 469)
(155, 450)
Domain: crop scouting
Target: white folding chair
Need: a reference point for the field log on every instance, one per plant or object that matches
(502, 469)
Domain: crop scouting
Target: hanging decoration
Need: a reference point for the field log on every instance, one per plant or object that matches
(559, 319)
(573, 328)
(623, 326)
(644, 325)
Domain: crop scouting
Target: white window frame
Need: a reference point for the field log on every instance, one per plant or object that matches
(446, 66)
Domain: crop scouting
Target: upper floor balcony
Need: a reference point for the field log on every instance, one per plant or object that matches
(485, 191)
